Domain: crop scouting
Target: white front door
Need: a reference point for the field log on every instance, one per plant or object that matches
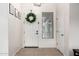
(60, 34)
(31, 36)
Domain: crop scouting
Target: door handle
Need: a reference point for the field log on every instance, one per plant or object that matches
(36, 32)
(62, 34)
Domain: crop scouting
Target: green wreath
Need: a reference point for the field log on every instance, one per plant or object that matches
(31, 17)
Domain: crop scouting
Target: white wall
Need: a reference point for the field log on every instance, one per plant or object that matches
(3, 29)
(14, 32)
(62, 13)
(10, 31)
(74, 27)
(43, 43)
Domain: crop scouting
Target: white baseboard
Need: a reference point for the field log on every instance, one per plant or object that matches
(17, 51)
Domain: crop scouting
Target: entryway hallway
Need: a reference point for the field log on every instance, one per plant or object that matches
(39, 52)
(49, 26)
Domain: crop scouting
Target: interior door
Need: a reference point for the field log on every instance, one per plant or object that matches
(60, 34)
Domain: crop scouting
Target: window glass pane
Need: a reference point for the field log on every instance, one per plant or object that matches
(47, 25)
